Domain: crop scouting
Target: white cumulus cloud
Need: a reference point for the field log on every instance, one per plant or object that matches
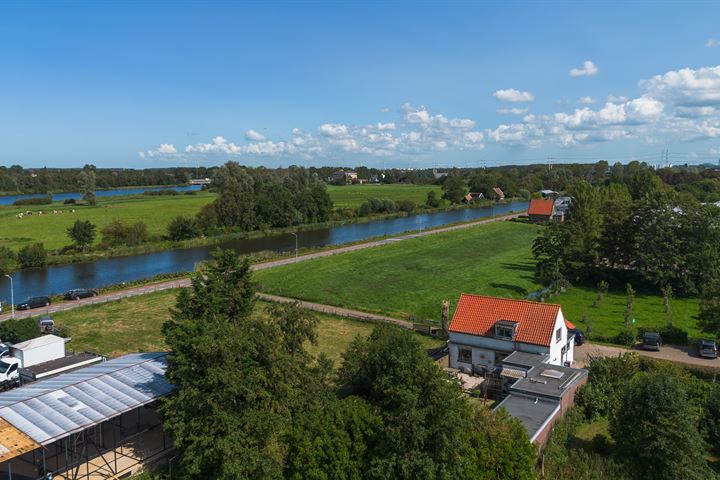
(254, 135)
(587, 100)
(511, 111)
(588, 70)
(712, 43)
(512, 95)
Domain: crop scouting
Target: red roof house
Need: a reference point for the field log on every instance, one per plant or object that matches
(485, 329)
(499, 194)
(541, 211)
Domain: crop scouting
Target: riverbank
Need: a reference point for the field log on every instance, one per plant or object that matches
(181, 280)
(145, 209)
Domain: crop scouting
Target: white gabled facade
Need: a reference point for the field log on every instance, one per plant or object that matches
(489, 351)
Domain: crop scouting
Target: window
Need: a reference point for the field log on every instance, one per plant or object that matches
(464, 355)
(558, 334)
(505, 329)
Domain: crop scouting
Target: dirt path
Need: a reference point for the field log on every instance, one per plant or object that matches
(341, 312)
(181, 283)
(687, 355)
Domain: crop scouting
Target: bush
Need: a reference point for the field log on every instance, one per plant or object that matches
(32, 256)
(183, 228)
(190, 192)
(669, 334)
(432, 201)
(15, 331)
(69, 201)
(47, 199)
(118, 233)
(625, 337)
(525, 194)
(7, 257)
(375, 205)
(406, 206)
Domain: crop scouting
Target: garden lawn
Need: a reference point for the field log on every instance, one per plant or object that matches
(409, 279)
(51, 229)
(352, 196)
(608, 318)
(134, 325)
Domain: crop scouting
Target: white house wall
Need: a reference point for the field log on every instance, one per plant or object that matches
(484, 348)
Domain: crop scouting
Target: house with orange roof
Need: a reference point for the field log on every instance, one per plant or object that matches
(541, 210)
(484, 330)
(499, 194)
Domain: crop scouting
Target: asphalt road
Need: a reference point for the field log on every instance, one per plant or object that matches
(181, 283)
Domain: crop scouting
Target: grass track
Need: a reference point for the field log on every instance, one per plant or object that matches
(134, 324)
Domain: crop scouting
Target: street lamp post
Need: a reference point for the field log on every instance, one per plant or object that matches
(12, 298)
(296, 244)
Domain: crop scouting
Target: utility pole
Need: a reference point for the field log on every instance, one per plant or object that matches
(12, 298)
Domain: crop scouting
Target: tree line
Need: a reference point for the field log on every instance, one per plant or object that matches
(17, 179)
(253, 403)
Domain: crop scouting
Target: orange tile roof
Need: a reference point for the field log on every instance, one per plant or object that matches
(541, 207)
(477, 315)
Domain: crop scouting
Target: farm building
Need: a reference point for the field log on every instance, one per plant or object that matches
(97, 422)
(541, 211)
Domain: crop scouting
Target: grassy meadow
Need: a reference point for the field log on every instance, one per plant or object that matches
(51, 229)
(134, 325)
(352, 196)
(409, 279)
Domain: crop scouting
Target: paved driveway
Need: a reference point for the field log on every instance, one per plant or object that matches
(673, 353)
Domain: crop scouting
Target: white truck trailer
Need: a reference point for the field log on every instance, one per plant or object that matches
(38, 350)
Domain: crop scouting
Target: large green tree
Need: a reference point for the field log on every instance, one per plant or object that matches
(240, 378)
(82, 233)
(454, 188)
(655, 429)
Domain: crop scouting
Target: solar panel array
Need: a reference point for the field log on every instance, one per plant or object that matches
(54, 408)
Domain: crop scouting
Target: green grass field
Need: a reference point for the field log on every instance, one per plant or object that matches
(410, 279)
(352, 196)
(51, 229)
(608, 318)
(133, 325)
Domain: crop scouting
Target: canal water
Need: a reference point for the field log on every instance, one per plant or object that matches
(57, 279)
(61, 197)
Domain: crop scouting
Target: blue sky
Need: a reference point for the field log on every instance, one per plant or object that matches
(404, 84)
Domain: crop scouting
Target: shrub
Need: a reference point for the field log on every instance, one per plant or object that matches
(190, 192)
(119, 233)
(669, 334)
(32, 256)
(183, 228)
(45, 200)
(406, 206)
(15, 331)
(7, 257)
(626, 337)
(375, 205)
(69, 201)
(432, 201)
(525, 194)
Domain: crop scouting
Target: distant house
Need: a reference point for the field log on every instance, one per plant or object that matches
(467, 199)
(437, 175)
(541, 211)
(347, 175)
(549, 194)
(499, 194)
(561, 208)
(477, 195)
(484, 330)
(200, 181)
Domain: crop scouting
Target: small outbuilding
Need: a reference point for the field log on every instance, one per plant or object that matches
(541, 210)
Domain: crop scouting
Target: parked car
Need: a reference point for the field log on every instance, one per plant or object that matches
(651, 341)
(78, 293)
(46, 324)
(707, 349)
(34, 302)
(579, 336)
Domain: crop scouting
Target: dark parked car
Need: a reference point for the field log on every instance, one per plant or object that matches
(707, 349)
(651, 341)
(34, 302)
(79, 293)
(579, 336)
